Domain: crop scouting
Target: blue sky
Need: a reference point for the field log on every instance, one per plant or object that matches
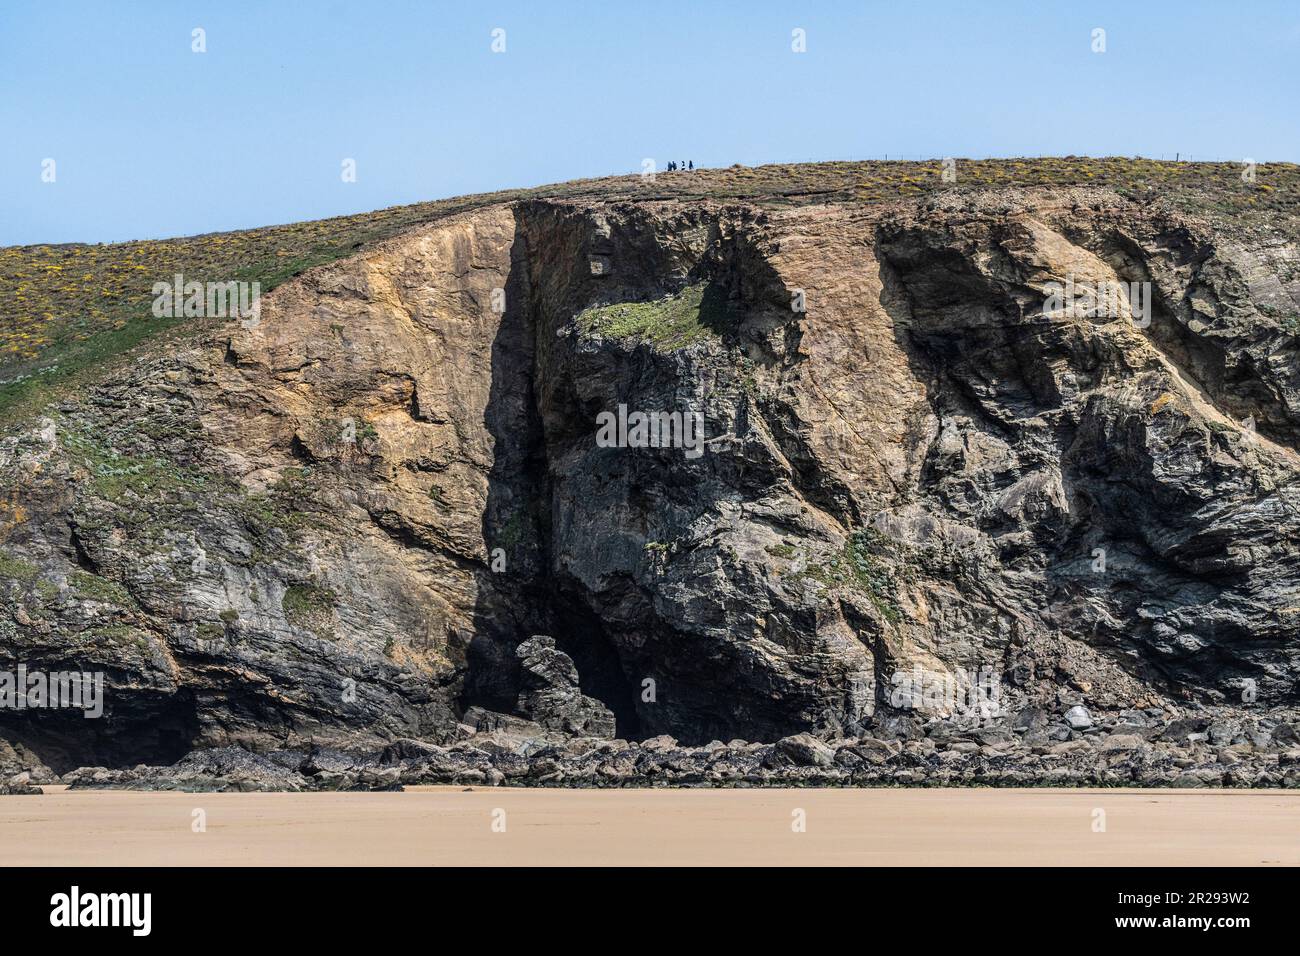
(152, 140)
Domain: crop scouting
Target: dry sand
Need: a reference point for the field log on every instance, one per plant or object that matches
(446, 825)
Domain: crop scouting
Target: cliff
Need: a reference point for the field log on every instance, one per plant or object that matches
(917, 449)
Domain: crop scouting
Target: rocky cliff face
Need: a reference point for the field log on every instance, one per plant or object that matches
(338, 524)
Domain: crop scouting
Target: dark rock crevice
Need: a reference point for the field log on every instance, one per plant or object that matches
(146, 729)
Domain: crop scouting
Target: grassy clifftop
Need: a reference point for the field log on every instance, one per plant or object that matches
(67, 309)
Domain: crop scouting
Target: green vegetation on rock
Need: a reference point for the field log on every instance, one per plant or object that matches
(309, 606)
(16, 569)
(98, 588)
(696, 313)
(858, 566)
(116, 475)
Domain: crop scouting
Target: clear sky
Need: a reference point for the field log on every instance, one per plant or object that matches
(152, 140)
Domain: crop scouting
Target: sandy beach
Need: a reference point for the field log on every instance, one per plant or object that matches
(454, 826)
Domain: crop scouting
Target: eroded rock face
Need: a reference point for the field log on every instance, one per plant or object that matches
(341, 525)
(550, 694)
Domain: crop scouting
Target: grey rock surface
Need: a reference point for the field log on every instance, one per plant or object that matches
(1078, 717)
(550, 694)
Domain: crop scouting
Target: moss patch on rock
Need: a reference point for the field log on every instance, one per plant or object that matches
(695, 314)
(99, 589)
(16, 569)
(310, 606)
(859, 566)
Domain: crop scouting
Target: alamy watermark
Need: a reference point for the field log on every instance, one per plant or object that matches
(75, 908)
(1104, 299)
(626, 429)
(24, 689)
(961, 694)
(214, 300)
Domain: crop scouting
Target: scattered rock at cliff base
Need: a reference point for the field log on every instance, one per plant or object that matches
(234, 769)
(1108, 754)
(805, 750)
(17, 762)
(19, 784)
